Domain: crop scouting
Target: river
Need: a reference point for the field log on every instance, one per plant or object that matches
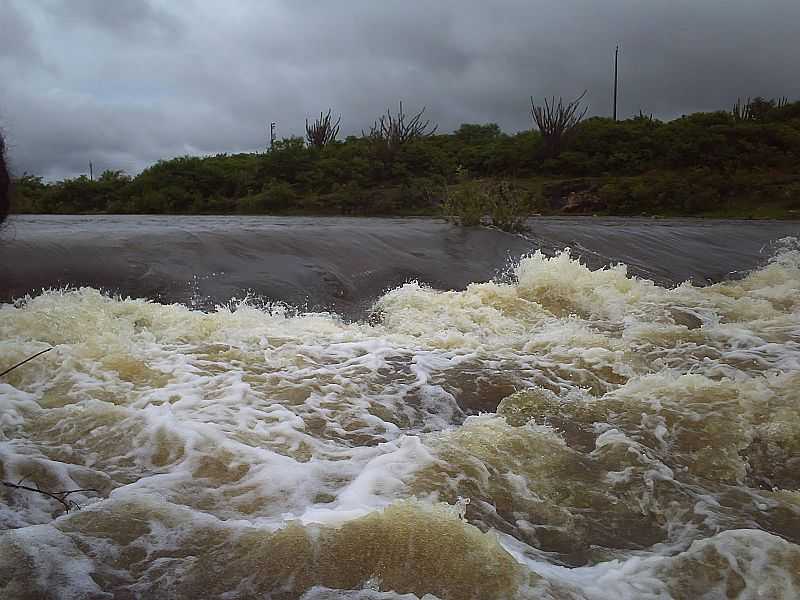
(341, 408)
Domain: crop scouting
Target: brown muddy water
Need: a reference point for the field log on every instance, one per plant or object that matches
(397, 409)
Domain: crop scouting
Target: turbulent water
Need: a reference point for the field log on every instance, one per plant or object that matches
(565, 431)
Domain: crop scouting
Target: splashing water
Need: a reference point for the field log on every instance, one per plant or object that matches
(571, 434)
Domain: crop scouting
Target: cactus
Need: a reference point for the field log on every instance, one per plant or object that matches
(556, 121)
(323, 131)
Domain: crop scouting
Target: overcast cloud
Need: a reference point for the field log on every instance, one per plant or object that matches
(125, 83)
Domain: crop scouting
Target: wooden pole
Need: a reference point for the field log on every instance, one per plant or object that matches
(616, 62)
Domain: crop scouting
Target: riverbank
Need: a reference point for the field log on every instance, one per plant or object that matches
(706, 164)
(660, 194)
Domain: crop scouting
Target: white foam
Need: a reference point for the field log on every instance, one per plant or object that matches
(261, 418)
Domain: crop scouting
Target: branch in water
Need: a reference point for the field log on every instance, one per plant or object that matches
(58, 496)
(19, 364)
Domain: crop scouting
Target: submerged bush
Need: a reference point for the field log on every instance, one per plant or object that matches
(465, 205)
(509, 208)
(474, 202)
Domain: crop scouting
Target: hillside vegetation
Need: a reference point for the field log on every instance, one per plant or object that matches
(743, 162)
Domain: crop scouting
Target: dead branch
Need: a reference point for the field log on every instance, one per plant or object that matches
(556, 120)
(323, 131)
(19, 364)
(61, 497)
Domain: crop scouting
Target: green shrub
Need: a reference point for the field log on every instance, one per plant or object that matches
(508, 208)
(277, 197)
(472, 201)
(466, 204)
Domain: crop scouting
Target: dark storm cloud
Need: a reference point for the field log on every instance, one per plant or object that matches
(125, 83)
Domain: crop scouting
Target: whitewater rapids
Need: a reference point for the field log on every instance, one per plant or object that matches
(569, 433)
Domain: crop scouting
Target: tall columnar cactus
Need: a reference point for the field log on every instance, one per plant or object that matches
(393, 131)
(757, 109)
(323, 131)
(742, 112)
(557, 120)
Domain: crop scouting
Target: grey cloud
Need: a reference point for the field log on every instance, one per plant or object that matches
(128, 18)
(133, 82)
(17, 39)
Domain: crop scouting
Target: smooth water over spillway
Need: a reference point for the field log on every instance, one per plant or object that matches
(566, 431)
(345, 264)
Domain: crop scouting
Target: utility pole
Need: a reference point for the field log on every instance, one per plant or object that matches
(616, 62)
(91, 172)
(271, 135)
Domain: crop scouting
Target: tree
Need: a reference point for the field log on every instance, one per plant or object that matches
(473, 133)
(323, 131)
(114, 177)
(556, 121)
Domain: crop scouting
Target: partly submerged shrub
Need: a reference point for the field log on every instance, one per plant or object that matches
(497, 203)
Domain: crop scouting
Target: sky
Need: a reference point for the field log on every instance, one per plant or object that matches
(125, 83)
